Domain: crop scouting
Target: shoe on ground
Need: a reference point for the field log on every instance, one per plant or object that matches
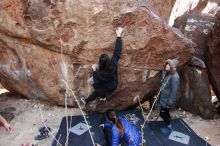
(44, 129)
(40, 137)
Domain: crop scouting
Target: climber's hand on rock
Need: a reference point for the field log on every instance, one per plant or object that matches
(119, 31)
(101, 126)
(94, 67)
(90, 80)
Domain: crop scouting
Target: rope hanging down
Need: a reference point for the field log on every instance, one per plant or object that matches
(151, 109)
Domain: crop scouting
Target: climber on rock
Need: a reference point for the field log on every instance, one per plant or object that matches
(118, 128)
(168, 94)
(105, 77)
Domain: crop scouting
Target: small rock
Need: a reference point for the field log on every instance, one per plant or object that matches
(207, 138)
(184, 113)
(35, 106)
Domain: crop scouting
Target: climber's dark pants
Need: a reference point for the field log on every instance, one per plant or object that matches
(165, 115)
(107, 132)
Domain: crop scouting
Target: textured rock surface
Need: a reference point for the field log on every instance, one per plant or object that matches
(188, 7)
(34, 33)
(160, 7)
(213, 57)
(195, 93)
(197, 27)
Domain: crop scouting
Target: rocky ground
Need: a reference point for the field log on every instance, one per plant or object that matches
(29, 115)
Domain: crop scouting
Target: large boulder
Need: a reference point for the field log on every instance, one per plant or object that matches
(213, 56)
(47, 47)
(195, 20)
(187, 7)
(160, 7)
(195, 92)
(197, 27)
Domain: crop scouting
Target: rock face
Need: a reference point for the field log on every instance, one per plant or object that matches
(197, 27)
(47, 47)
(213, 56)
(160, 7)
(189, 7)
(195, 92)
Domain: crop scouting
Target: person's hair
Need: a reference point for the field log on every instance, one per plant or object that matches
(171, 68)
(104, 63)
(113, 117)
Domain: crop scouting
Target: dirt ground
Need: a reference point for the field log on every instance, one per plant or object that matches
(30, 115)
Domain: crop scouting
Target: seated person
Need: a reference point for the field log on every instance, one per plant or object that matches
(121, 129)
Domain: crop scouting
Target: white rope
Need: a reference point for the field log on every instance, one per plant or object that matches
(78, 104)
(83, 114)
(151, 109)
(65, 100)
(42, 119)
(66, 107)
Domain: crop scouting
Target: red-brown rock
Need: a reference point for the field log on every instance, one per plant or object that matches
(160, 7)
(213, 56)
(181, 8)
(195, 92)
(47, 47)
(196, 27)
